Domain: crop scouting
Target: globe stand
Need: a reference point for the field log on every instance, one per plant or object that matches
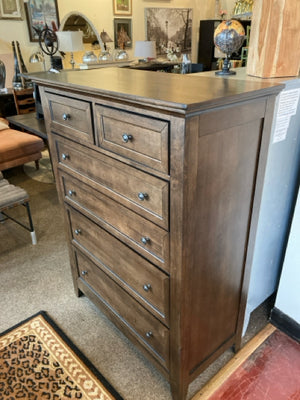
(48, 43)
(226, 68)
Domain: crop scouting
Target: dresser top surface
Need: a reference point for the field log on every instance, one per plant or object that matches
(181, 93)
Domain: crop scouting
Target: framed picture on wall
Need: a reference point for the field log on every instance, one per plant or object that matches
(170, 28)
(10, 9)
(122, 7)
(39, 15)
(122, 32)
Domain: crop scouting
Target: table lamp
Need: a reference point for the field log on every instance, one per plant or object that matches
(105, 55)
(145, 50)
(37, 57)
(70, 41)
(105, 38)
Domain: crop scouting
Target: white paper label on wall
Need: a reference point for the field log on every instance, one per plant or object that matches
(287, 107)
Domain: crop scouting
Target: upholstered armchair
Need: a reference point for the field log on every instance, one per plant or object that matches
(17, 147)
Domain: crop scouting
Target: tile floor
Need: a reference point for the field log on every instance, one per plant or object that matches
(272, 372)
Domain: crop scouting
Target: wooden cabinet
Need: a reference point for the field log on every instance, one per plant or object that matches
(160, 177)
(7, 104)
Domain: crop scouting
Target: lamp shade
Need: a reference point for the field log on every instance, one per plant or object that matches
(145, 49)
(70, 41)
(37, 57)
(105, 37)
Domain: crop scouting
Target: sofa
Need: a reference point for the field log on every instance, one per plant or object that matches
(17, 147)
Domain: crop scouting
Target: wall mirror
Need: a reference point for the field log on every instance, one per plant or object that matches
(75, 21)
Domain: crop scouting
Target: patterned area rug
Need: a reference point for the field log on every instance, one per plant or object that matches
(37, 361)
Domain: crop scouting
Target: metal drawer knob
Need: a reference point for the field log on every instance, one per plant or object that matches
(147, 287)
(66, 116)
(65, 156)
(145, 240)
(143, 196)
(77, 231)
(83, 273)
(126, 138)
(149, 334)
(71, 192)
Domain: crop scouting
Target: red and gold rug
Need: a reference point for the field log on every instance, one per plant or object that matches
(38, 361)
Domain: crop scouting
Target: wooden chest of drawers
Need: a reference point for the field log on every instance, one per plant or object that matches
(161, 184)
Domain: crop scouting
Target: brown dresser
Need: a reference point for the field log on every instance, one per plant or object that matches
(160, 177)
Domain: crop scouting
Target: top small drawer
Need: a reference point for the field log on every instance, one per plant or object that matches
(138, 137)
(71, 117)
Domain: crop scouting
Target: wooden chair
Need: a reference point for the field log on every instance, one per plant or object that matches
(24, 100)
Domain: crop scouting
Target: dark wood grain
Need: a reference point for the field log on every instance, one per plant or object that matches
(121, 181)
(128, 309)
(119, 220)
(122, 264)
(210, 139)
(173, 92)
(147, 140)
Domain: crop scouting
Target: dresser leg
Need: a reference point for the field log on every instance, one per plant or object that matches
(179, 391)
(78, 292)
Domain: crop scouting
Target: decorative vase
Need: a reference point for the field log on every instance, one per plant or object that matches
(2, 75)
(121, 55)
(89, 57)
(104, 56)
(186, 66)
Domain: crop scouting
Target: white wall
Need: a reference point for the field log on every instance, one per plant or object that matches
(288, 295)
(100, 12)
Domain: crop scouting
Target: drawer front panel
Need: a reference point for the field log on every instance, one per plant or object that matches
(145, 282)
(137, 137)
(71, 117)
(146, 237)
(139, 191)
(149, 331)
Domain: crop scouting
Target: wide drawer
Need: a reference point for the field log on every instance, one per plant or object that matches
(138, 137)
(143, 280)
(144, 236)
(71, 117)
(146, 328)
(137, 190)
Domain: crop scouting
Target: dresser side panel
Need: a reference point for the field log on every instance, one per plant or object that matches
(221, 163)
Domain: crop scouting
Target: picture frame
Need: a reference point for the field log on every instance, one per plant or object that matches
(122, 33)
(122, 7)
(38, 18)
(10, 9)
(171, 29)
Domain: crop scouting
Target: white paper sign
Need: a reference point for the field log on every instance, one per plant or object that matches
(287, 107)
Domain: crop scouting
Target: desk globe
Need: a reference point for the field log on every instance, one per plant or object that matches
(228, 38)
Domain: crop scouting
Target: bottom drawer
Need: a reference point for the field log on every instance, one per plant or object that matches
(146, 328)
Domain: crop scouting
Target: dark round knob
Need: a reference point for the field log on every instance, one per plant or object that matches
(147, 287)
(83, 273)
(142, 196)
(66, 116)
(71, 192)
(145, 240)
(77, 231)
(149, 334)
(126, 138)
(65, 156)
